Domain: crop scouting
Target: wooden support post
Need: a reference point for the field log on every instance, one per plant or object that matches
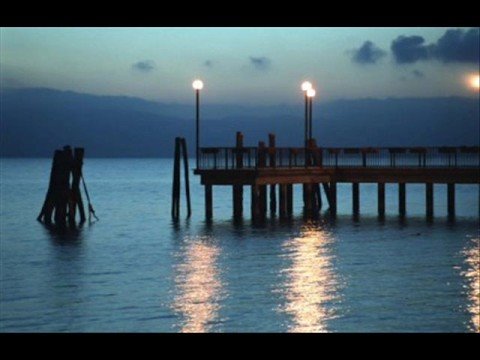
(186, 171)
(451, 199)
(237, 188)
(176, 181)
(381, 199)
(272, 158)
(318, 195)
(49, 203)
(289, 200)
(326, 190)
(208, 202)
(356, 198)
(256, 204)
(429, 199)
(401, 199)
(282, 189)
(76, 196)
(308, 198)
(63, 186)
(263, 200)
(333, 198)
(237, 201)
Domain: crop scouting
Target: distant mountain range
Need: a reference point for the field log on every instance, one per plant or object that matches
(34, 122)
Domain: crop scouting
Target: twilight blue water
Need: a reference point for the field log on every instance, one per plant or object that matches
(135, 270)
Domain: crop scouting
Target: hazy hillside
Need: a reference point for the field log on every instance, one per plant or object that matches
(36, 121)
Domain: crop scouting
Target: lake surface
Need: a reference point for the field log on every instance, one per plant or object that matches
(136, 271)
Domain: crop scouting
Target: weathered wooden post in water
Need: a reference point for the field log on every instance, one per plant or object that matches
(76, 198)
(238, 188)
(62, 197)
(272, 156)
(180, 147)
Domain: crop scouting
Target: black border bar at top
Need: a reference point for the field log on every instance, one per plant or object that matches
(242, 14)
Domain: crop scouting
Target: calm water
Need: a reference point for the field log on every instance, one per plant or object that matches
(136, 271)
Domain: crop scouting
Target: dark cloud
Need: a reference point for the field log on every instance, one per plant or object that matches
(208, 63)
(368, 53)
(260, 63)
(457, 45)
(409, 49)
(418, 74)
(144, 66)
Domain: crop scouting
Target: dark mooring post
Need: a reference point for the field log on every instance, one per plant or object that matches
(176, 181)
(262, 162)
(49, 203)
(256, 208)
(401, 199)
(186, 171)
(381, 199)
(333, 198)
(356, 198)
(289, 200)
(76, 196)
(63, 190)
(282, 197)
(451, 199)
(238, 188)
(308, 198)
(271, 154)
(429, 199)
(208, 202)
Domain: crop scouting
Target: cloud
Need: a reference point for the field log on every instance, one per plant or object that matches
(260, 63)
(368, 53)
(409, 49)
(144, 66)
(455, 45)
(418, 74)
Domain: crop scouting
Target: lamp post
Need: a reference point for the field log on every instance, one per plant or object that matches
(197, 85)
(310, 94)
(306, 85)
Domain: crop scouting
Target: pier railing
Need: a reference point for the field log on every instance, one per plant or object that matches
(227, 158)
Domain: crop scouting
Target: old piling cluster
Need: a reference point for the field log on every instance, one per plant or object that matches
(63, 194)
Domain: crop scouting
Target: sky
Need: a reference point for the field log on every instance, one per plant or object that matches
(249, 66)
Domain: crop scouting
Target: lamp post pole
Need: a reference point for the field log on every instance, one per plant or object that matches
(197, 85)
(197, 96)
(306, 86)
(310, 116)
(306, 120)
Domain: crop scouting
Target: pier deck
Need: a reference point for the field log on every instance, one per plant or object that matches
(261, 167)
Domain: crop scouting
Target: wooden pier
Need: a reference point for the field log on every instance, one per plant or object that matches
(319, 168)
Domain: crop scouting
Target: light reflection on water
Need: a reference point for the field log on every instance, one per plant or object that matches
(472, 275)
(311, 281)
(198, 286)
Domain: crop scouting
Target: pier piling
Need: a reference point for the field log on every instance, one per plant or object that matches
(401, 199)
(429, 199)
(381, 199)
(355, 198)
(451, 199)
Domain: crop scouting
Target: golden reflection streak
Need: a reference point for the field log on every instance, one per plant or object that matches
(472, 274)
(310, 282)
(198, 287)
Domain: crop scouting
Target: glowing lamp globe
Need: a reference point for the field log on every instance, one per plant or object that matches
(475, 82)
(306, 85)
(311, 92)
(197, 84)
